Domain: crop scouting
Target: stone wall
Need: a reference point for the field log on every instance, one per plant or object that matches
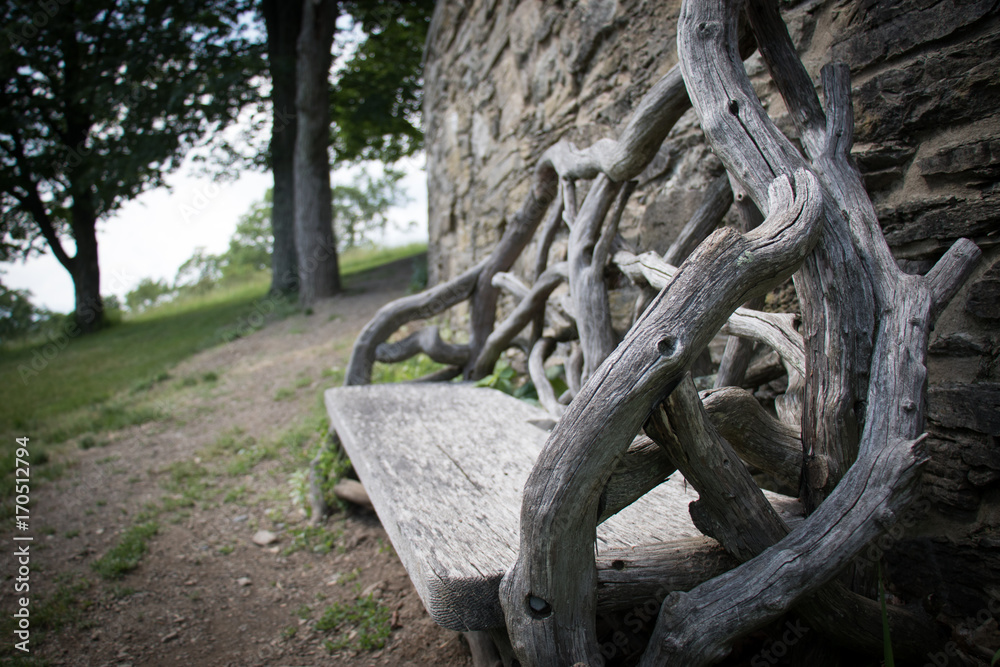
(505, 79)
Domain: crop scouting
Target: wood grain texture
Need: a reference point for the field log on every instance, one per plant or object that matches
(696, 628)
(429, 342)
(776, 330)
(500, 338)
(396, 313)
(556, 562)
(759, 439)
(474, 448)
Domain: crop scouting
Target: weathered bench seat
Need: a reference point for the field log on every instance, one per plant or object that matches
(445, 466)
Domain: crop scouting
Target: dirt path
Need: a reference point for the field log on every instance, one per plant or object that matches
(220, 468)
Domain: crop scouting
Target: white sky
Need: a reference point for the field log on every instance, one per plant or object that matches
(151, 236)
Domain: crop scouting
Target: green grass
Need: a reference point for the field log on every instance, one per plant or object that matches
(316, 539)
(359, 260)
(67, 606)
(88, 371)
(125, 556)
(56, 391)
(367, 617)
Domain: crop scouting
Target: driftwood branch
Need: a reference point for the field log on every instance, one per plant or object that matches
(881, 482)
(542, 350)
(548, 596)
(759, 439)
(501, 337)
(643, 467)
(427, 341)
(395, 314)
(733, 510)
(777, 330)
(718, 199)
(739, 351)
(588, 290)
(696, 628)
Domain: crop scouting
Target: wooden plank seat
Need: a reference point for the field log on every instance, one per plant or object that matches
(445, 466)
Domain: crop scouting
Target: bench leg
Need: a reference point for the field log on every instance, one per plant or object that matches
(486, 651)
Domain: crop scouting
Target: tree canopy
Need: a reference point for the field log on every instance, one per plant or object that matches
(102, 98)
(376, 100)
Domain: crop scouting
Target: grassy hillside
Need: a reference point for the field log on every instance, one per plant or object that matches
(61, 388)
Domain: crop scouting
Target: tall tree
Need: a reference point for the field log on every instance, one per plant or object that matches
(100, 99)
(283, 21)
(371, 112)
(319, 274)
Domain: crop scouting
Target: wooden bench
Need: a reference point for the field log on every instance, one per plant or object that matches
(632, 487)
(445, 465)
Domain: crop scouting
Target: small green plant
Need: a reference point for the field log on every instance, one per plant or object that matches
(504, 378)
(70, 534)
(366, 619)
(87, 442)
(189, 381)
(226, 549)
(210, 376)
(316, 539)
(125, 556)
(411, 369)
(303, 382)
(289, 632)
(304, 612)
(235, 494)
(996, 657)
(284, 394)
(228, 444)
(886, 639)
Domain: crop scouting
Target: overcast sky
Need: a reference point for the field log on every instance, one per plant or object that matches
(151, 236)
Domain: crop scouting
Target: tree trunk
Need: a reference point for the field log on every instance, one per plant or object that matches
(319, 275)
(284, 21)
(84, 268)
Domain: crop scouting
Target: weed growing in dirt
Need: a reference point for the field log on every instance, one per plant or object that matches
(125, 556)
(188, 481)
(365, 618)
(284, 394)
(235, 494)
(89, 442)
(228, 443)
(316, 539)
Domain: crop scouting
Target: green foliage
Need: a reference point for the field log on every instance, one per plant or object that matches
(366, 617)
(996, 657)
(19, 318)
(360, 208)
(375, 103)
(504, 378)
(411, 369)
(101, 100)
(315, 539)
(147, 294)
(125, 556)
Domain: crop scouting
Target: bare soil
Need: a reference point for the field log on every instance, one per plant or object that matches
(205, 593)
